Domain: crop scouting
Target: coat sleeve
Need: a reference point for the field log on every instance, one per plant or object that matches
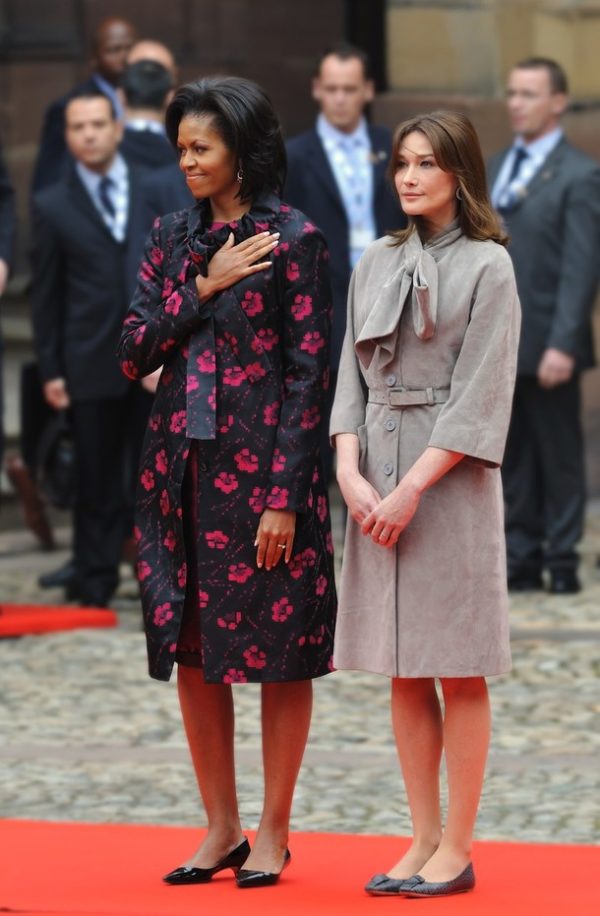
(580, 263)
(474, 421)
(306, 325)
(48, 294)
(164, 311)
(7, 214)
(349, 404)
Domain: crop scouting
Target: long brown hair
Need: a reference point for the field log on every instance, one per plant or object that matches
(457, 150)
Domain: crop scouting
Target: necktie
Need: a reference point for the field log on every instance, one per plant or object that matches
(520, 154)
(104, 193)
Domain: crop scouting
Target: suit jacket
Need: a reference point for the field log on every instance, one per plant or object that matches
(312, 188)
(79, 290)
(7, 214)
(146, 149)
(555, 248)
(160, 192)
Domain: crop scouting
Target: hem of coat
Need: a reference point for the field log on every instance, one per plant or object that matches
(499, 671)
(166, 676)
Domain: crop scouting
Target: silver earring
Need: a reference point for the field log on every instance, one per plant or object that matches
(240, 176)
(458, 194)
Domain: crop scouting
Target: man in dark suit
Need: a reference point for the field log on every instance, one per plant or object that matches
(147, 87)
(78, 303)
(337, 176)
(548, 193)
(112, 42)
(7, 239)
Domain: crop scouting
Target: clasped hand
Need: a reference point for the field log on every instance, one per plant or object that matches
(232, 263)
(274, 537)
(385, 519)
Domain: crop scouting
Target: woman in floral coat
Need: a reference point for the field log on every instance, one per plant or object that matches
(235, 554)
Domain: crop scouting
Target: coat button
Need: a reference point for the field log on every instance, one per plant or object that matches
(390, 381)
(202, 466)
(390, 424)
(388, 468)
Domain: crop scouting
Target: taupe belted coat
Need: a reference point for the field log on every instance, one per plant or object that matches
(429, 360)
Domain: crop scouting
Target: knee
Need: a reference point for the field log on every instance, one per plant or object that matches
(463, 688)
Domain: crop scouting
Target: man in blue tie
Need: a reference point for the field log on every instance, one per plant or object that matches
(79, 300)
(337, 176)
(548, 193)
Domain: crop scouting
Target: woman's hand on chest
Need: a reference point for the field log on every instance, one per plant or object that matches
(233, 263)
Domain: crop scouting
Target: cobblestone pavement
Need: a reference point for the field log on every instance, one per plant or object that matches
(86, 736)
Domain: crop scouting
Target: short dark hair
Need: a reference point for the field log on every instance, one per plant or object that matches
(346, 51)
(243, 116)
(146, 84)
(558, 77)
(88, 92)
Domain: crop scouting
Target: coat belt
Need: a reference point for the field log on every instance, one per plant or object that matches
(409, 397)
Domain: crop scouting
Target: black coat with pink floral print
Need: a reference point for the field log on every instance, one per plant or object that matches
(244, 379)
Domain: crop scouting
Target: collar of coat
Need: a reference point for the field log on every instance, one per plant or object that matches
(416, 275)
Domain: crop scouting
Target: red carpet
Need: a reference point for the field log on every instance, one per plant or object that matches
(33, 619)
(106, 870)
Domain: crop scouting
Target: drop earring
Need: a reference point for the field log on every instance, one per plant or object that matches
(239, 176)
(458, 193)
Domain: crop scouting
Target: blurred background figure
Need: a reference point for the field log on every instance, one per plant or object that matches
(78, 303)
(548, 193)
(7, 239)
(112, 42)
(337, 176)
(147, 88)
(148, 49)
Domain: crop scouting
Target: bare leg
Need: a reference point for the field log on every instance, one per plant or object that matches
(467, 725)
(417, 722)
(286, 712)
(208, 717)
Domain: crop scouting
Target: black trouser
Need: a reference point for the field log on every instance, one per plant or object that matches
(544, 478)
(102, 431)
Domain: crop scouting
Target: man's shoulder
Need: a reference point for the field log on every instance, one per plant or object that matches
(54, 195)
(577, 159)
(380, 134)
(301, 142)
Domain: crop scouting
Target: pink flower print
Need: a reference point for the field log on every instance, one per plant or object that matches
(309, 557)
(261, 227)
(192, 383)
(310, 417)
(233, 676)
(239, 572)
(282, 248)
(315, 476)
(310, 500)
(234, 376)
(312, 342)
(170, 541)
(279, 461)
(278, 498)
(281, 610)
(230, 621)
(212, 398)
(162, 614)
(246, 461)
(271, 414)
(129, 369)
(166, 376)
(166, 345)
(265, 339)
(224, 424)
(154, 422)
(165, 503)
(255, 658)
(302, 307)
(182, 575)
(254, 371)
(252, 304)
(178, 421)
(167, 287)
(137, 534)
(302, 561)
(216, 540)
(156, 256)
(322, 508)
(232, 341)
(182, 275)
(257, 500)
(321, 585)
(143, 570)
(329, 542)
(161, 462)
(308, 227)
(147, 480)
(206, 361)
(316, 638)
(226, 482)
(173, 648)
(173, 303)
(295, 566)
(139, 335)
(146, 271)
(202, 598)
(292, 273)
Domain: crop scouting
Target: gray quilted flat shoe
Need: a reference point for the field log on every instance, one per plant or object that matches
(384, 886)
(419, 887)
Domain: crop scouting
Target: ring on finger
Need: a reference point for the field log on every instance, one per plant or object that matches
(281, 546)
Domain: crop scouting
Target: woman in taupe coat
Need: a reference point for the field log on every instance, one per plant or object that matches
(419, 423)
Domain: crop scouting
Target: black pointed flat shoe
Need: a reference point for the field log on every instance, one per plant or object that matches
(247, 877)
(186, 875)
(419, 887)
(384, 886)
